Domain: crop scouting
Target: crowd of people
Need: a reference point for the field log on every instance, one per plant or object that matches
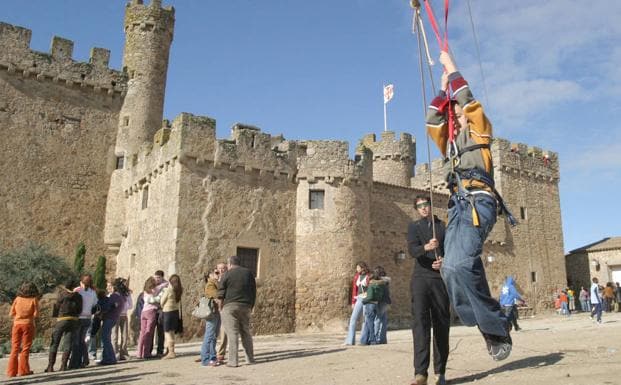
(595, 300)
(85, 315)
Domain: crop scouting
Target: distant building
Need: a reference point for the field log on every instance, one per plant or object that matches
(601, 259)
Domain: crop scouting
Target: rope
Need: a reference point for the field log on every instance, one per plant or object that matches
(420, 34)
(476, 43)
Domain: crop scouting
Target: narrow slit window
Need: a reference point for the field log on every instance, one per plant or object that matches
(533, 276)
(523, 213)
(145, 197)
(120, 160)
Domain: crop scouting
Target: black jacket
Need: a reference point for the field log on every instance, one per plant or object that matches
(69, 304)
(419, 233)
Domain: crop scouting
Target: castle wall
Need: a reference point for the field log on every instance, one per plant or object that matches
(242, 195)
(210, 197)
(58, 123)
(528, 181)
(151, 203)
(392, 209)
(331, 239)
(578, 268)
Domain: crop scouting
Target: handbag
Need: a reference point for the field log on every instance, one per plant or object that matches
(204, 309)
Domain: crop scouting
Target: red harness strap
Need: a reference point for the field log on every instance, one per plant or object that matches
(443, 43)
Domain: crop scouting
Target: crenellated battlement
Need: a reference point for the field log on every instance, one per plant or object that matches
(249, 148)
(57, 66)
(149, 17)
(508, 157)
(388, 147)
(438, 176)
(393, 159)
(192, 141)
(329, 161)
(519, 157)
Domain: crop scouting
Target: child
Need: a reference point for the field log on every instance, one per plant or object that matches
(24, 310)
(465, 140)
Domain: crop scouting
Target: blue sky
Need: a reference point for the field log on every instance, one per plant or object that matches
(314, 70)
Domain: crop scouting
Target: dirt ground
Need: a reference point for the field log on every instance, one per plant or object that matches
(551, 350)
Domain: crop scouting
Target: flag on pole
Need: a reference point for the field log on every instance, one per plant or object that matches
(388, 92)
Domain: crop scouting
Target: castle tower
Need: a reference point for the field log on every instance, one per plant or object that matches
(332, 231)
(148, 35)
(393, 160)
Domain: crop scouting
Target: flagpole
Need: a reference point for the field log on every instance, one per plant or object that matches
(385, 121)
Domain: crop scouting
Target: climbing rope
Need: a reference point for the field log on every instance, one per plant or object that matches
(421, 39)
(476, 43)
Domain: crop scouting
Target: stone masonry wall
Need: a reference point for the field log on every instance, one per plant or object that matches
(329, 240)
(212, 203)
(58, 122)
(607, 259)
(392, 209)
(528, 180)
(578, 268)
(393, 159)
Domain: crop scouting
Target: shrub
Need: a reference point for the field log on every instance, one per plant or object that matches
(32, 263)
(99, 278)
(5, 348)
(78, 262)
(38, 345)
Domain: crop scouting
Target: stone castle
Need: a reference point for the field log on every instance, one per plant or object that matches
(87, 157)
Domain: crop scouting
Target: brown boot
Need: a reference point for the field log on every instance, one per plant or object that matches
(170, 345)
(50, 362)
(171, 351)
(63, 361)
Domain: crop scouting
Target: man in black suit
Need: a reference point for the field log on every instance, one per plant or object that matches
(430, 302)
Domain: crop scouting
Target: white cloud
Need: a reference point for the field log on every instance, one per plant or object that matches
(536, 55)
(520, 100)
(604, 157)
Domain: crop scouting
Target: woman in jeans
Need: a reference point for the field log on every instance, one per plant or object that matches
(89, 300)
(359, 290)
(212, 325)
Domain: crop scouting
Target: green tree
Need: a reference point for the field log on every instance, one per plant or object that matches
(99, 278)
(78, 262)
(32, 263)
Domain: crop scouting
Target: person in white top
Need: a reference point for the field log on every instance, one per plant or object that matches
(89, 300)
(596, 300)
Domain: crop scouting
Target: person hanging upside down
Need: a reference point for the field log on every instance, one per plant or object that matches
(472, 206)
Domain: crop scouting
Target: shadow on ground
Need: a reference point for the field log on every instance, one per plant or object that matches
(290, 354)
(529, 362)
(92, 375)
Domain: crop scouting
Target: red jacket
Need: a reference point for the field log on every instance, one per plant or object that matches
(354, 292)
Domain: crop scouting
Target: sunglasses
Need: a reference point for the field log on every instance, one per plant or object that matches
(422, 205)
